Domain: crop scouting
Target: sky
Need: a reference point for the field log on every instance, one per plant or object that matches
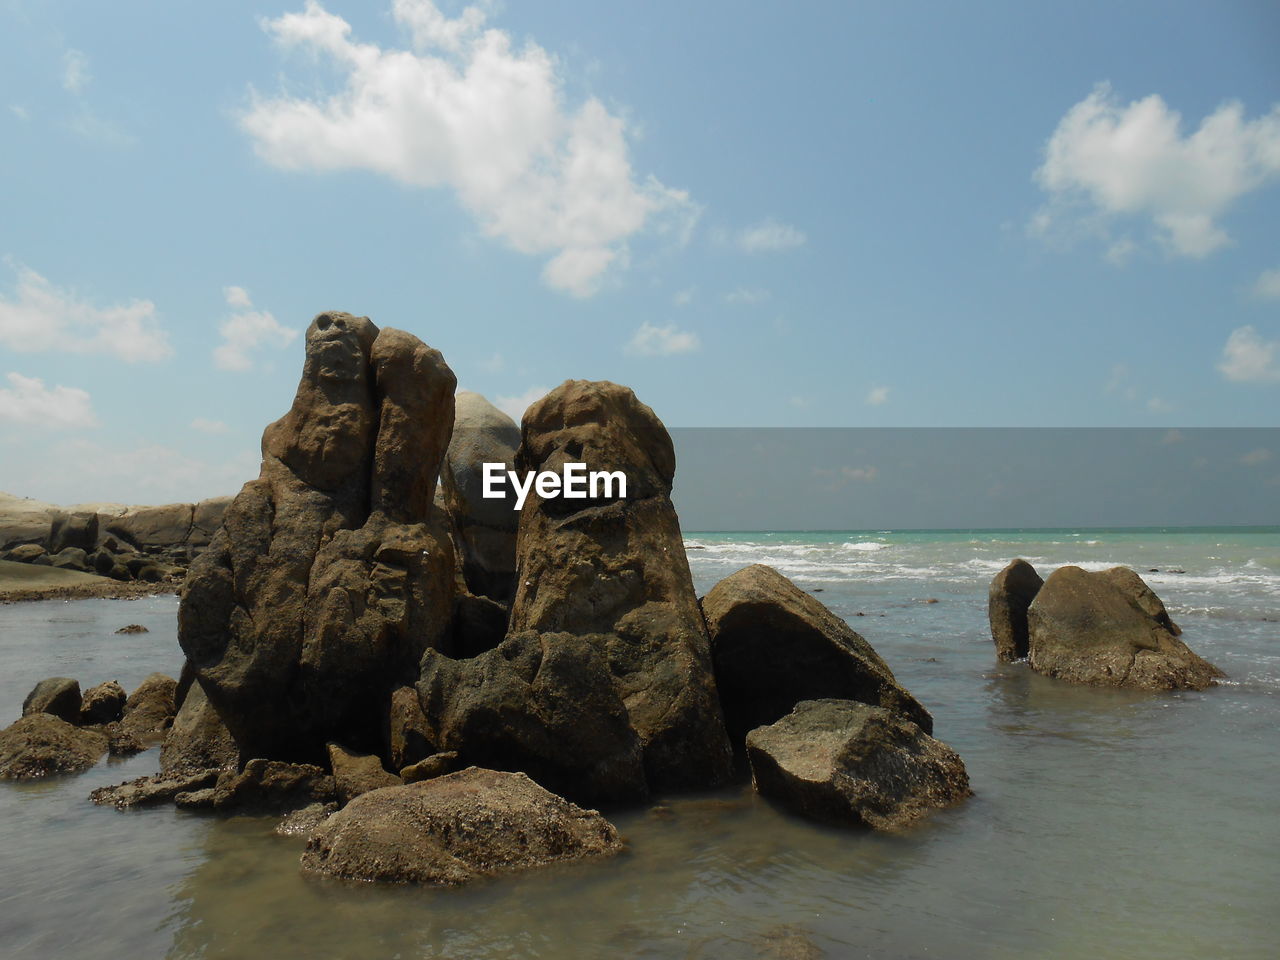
(783, 215)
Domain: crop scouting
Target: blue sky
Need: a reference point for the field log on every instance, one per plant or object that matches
(870, 214)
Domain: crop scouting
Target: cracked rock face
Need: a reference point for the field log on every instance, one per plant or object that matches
(330, 575)
(615, 569)
(1108, 628)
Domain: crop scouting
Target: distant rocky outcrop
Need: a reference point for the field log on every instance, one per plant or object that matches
(847, 763)
(1109, 628)
(1008, 599)
(774, 645)
(454, 829)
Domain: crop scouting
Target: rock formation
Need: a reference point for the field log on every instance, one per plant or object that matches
(59, 696)
(847, 763)
(1109, 628)
(329, 577)
(774, 645)
(455, 828)
(614, 568)
(1008, 599)
(40, 744)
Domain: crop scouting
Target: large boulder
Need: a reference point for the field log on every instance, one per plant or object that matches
(330, 575)
(153, 528)
(456, 828)
(614, 568)
(149, 709)
(206, 518)
(847, 763)
(79, 530)
(1008, 599)
(544, 704)
(1107, 627)
(775, 645)
(59, 696)
(41, 744)
(198, 739)
(484, 527)
(103, 703)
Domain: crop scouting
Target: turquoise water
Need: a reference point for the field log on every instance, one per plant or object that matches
(1104, 823)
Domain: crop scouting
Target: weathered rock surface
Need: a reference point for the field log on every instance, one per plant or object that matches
(330, 576)
(545, 704)
(485, 528)
(103, 703)
(149, 709)
(263, 787)
(303, 822)
(79, 530)
(456, 828)
(41, 744)
(198, 738)
(614, 569)
(357, 773)
(1108, 628)
(774, 645)
(436, 765)
(59, 696)
(844, 762)
(1008, 599)
(149, 791)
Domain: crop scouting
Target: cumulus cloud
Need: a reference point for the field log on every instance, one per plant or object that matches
(246, 331)
(40, 317)
(1267, 286)
(1134, 160)
(28, 402)
(515, 405)
(654, 341)
(465, 109)
(1248, 358)
(213, 427)
(878, 396)
(769, 235)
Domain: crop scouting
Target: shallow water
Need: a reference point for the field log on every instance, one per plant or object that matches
(1104, 823)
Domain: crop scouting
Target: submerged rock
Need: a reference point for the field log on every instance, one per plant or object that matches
(844, 762)
(545, 704)
(59, 696)
(1108, 628)
(454, 829)
(774, 645)
(1008, 598)
(614, 569)
(330, 576)
(41, 744)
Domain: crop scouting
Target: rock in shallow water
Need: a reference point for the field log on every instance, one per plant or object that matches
(847, 763)
(1009, 596)
(103, 703)
(42, 744)
(59, 696)
(454, 829)
(357, 773)
(148, 791)
(773, 646)
(1109, 628)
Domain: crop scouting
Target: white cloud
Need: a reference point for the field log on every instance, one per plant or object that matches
(1159, 405)
(466, 110)
(1247, 358)
(20, 112)
(245, 331)
(42, 317)
(683, 297)
(864, 474)
(75, 72)
(747, 295)
(769, 235)
(1134, 160)
(515, 406)
(878, 396)
(213, 427)
(1267, 286)
(655, 341)
(800, 402)
(28, 402)
(1255, 457)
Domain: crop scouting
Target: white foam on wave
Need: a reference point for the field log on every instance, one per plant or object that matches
(865, 546)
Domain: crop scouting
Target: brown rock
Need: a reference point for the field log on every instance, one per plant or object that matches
(103, 703)
(59, 696)
(198, 739)
(454, 829)
(149, 791)
(149, 709)
(357, 773)
(775, 645)
(436, 765)
(41, 744)
(1008, 598)
(269, 787)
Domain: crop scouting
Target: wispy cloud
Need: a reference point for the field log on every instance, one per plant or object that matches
(747, 295)
(655, 341)
(212, 427)
(1267, 286)
(1248, 358)
(515, 405)
(41, 317)
(28, 402)
(75, 72)
(878, 396)
(470, 110)
(769, 235)
(246, 331)
(1110, 159)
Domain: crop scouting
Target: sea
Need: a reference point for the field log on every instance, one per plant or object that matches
(1104, 823)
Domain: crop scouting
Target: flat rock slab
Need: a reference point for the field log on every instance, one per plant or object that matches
(454, 829)
(148, 791)
(847, 763)
(42, 744)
